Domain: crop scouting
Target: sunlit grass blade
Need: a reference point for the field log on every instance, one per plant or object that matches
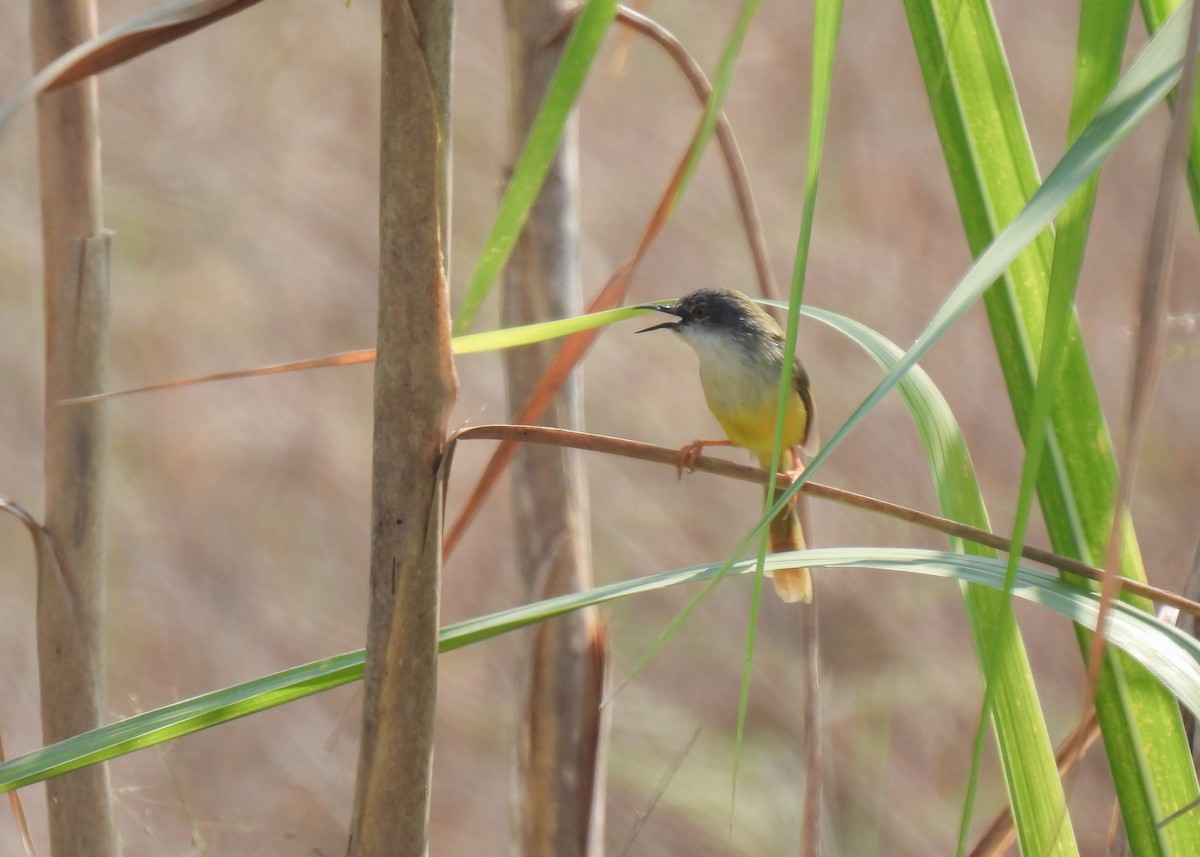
(996, 182)
(181, 718)
(1169, 654)
(544, 137)
(512, 337)
(1142, 88)
(531, 168)
(984, 137)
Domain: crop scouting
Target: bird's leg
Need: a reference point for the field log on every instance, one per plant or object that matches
(688, 454)
(797, 468)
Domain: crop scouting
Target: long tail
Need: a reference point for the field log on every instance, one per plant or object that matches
(791, 584)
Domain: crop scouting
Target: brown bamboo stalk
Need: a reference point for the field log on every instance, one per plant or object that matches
(559, 798)
(71, 599)
(415, 387)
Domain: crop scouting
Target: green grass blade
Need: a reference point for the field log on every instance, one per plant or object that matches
(181, 718)
(970, 85)
(826, 23)
(827, 18)
(544, 137)
(1170, 655)
(720, 88)
(1143, 87)
(994, 177)
(547, 130)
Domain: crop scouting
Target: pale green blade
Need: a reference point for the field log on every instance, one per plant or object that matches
(543, 140)
(1170, 655)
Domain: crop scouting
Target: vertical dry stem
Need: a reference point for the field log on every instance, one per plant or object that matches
(558, 802)
(71, 601)
(414, 390)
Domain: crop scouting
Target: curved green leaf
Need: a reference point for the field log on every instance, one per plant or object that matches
(1163, 649)
(1026, 751)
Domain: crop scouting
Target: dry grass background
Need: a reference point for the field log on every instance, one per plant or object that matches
(240, 171)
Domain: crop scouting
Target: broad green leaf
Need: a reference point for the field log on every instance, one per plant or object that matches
(995, 180)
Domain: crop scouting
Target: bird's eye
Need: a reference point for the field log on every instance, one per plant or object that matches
(699, 311)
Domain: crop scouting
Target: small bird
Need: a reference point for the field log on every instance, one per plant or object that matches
(741, 353)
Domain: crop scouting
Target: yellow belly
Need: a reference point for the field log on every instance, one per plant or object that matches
(752, 425)
(742, 389)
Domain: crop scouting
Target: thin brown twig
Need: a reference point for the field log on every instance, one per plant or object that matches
(41, 545)
(624, 45)
(747, 209)
(18, 810)
(745, 473)
(810, 648)
(1148, 351)
(663, 784)
(613, 292)
(345, 358)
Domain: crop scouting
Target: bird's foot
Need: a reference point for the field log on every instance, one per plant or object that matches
(690, 453)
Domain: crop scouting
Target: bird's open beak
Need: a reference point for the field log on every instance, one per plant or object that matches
(670, 309)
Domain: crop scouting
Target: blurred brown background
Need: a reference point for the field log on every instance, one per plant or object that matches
(240, 169)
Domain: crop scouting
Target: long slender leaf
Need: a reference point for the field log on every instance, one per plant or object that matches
(1143, 87)
(531, 168)
(528, 334)
(1169, 654)
(827, 21)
